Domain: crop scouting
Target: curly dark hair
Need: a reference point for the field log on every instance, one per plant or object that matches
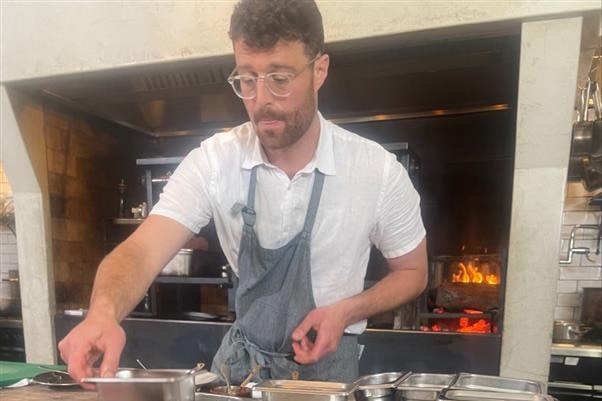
(262, 23)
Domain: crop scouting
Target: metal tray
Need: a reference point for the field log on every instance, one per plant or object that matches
(55, 379)
(301, 390)
(479, 395)
(145, 385)
(378, 385)
(497, 384)
(423, 386)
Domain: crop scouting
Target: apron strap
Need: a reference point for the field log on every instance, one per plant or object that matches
(252, 185)
(314, 202)
(248, 212)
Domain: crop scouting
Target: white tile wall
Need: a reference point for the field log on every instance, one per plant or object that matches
(583, 272)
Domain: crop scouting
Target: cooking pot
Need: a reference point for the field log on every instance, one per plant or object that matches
(566, 331)
(180, 265)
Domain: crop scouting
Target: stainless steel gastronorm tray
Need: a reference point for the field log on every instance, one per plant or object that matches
(479, 395)
(301, 390)
(378, 385)
(424, 386)
(145, 385)
(497, 384)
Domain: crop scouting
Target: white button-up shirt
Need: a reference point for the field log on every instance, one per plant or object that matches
(367, 199)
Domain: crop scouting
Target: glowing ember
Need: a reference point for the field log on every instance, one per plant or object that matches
(464, 324)
(482, 326)
(471, 274)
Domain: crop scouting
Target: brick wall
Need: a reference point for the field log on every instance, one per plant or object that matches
(582, 272)
(8, 241)
(86, 158)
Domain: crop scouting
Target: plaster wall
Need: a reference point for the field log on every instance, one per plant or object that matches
(23, 153)
(37, 41)
(547, 84)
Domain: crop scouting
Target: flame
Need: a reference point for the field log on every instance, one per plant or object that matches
(492, 279)
(471, 274)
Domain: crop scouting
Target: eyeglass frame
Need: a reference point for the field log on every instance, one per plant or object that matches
(290, 75)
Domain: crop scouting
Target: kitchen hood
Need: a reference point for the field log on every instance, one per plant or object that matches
(365, 83)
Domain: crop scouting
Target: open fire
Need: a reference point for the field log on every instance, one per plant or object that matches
(465, 295)
(471, 274)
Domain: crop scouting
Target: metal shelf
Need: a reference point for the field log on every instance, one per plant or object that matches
(193, 280)
(127, 221)
(157, 161)
(454, 315)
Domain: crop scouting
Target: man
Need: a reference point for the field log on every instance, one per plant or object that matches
(297, 203)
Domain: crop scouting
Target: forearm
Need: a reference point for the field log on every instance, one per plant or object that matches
(397, 288)
(121, 281)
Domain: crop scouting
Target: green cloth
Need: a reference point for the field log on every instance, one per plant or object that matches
(12, 372)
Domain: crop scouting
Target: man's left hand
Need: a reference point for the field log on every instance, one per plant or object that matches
(329, 323)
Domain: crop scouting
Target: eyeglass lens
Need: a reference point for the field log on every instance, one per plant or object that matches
(246, 87)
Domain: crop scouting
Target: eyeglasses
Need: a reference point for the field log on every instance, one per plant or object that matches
(279, 83)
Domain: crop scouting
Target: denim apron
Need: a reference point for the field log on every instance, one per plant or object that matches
(274, 295)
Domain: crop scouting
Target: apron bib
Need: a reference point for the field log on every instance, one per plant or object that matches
(274, 295)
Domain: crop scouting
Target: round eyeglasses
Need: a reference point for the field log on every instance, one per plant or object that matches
(278, 83)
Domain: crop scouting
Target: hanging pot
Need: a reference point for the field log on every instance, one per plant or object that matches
(586, 147)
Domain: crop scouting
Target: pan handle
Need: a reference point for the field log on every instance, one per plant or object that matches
(597, 99)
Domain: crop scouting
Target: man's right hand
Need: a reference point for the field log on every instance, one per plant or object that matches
(96, 336)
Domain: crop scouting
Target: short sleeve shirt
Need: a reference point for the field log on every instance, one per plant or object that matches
(367, 199)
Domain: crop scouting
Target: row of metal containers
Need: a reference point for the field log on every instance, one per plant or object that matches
(397, 386)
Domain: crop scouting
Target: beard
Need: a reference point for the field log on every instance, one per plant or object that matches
(296, 124)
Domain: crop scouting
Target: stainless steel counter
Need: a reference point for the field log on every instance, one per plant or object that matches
(577, 350)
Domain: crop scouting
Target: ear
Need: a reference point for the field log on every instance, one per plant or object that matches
(321, 71)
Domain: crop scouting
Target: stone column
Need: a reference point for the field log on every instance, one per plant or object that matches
(547, 87)
(23, 154)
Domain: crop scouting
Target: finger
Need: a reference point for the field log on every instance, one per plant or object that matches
(78, 366)
(304, 327)
(322, 347)
(110, 360)
(302, 347)
(306, 344)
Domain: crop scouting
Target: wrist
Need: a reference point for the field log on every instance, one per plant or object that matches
(350, 311)
(103, 309)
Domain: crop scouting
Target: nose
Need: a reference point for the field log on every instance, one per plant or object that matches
(263, 94)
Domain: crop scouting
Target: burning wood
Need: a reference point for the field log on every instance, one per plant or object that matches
(457, 296)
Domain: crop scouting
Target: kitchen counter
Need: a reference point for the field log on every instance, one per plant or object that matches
(36, 392)
(577, 350)
(177, 344)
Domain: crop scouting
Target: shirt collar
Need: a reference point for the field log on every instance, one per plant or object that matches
(323, 159)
